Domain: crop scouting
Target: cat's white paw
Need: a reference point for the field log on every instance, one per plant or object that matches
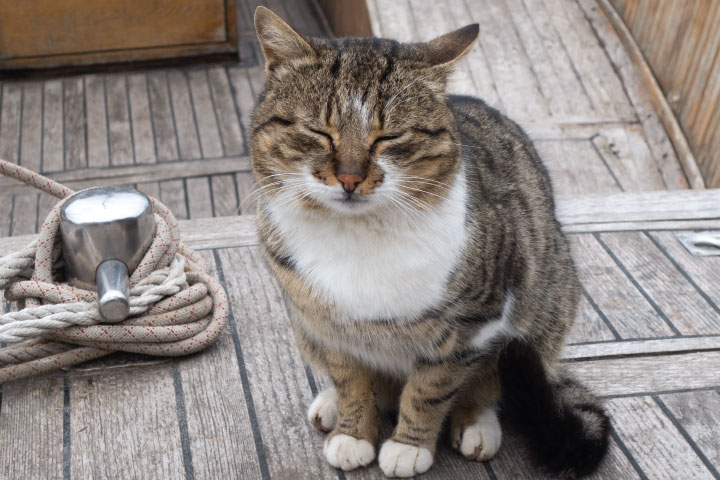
(481, 440)
(401, 460)
(323, 410)
(348, 453)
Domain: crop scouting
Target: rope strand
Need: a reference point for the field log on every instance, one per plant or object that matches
(176, 307)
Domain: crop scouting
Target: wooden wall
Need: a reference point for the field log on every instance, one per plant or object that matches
(681, 42)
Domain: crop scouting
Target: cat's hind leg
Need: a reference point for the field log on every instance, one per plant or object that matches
(474, 427)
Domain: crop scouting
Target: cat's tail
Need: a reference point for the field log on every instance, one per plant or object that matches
(563, 424)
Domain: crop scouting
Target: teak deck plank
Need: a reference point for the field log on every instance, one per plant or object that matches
(52, 143)
(142, 129)
(74, 121)
(31, 127)
(98, 141)
(162, 116)
(121, 418)
(119, 129)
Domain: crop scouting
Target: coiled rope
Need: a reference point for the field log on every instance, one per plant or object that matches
(176, 306)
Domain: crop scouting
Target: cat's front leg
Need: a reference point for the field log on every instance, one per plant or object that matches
(424, 404)
(353, 440)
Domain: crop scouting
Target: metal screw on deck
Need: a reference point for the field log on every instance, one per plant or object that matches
(105, 233)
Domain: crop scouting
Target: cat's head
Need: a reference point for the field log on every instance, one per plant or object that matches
(357, 124)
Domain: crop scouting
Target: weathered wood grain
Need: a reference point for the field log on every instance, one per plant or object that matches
(162, 117)
(679, 300)
(12, 97)
(576, 168)
(31, 138)
(172, 194)
(24, 216)
(199, 197)
(224, 193)
(247, 192)
(125, 424)
(656, 444)
(704, 271)
(119, 131)
(601, 83)
(227, 114)
(699, 415)
(588, 326)
(679, 42)
(142, 129)
(45, 204)
(639, 206)
(5, 216)
(74, 126)
(613, 292)
(152, 189)
(639, 375)
(53, 148)
(218, 422)
(187, 133)
(88, 177)
(626, 153)
(98, 140)
(31, 422)
(293, 447)
(640, 347)
(512, 461)
(517, 84)
(243, 95)
(658, 139)
(207, 124)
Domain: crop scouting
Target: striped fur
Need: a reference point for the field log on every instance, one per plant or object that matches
(406, 290)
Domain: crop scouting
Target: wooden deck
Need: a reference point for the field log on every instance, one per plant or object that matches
(647, 337)
(557, 67)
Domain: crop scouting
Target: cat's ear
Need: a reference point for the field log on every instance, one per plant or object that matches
(451, 47)
(279, 42)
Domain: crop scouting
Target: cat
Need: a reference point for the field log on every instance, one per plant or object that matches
(413, 235)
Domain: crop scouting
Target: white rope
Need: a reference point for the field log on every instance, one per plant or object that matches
(33, 322)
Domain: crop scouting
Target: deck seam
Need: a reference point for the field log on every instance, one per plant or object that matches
(152, 118)
(215, 113)
(107, 122)
(601, 314)
(172, 113)
(683, 272)
(249, 402)
(183, 423)
(20, 125)
(686, 436)
(627, 453)
(637, 285)
(604, 161)
(238, 113)
(130, 119)
(186, 75)
(66, 429)
(62, 119)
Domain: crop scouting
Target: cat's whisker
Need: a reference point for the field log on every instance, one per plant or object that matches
(441, 197)
(429, 180)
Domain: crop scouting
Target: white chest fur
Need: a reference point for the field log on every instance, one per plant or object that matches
(380, 266)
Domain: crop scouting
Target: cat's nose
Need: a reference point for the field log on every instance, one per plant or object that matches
(350, 181)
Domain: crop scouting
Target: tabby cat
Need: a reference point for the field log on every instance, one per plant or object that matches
(413, 234)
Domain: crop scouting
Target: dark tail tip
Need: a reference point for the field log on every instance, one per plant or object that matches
(564, 426)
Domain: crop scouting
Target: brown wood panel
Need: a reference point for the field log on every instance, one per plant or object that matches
(84, 32)
(348, 18)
